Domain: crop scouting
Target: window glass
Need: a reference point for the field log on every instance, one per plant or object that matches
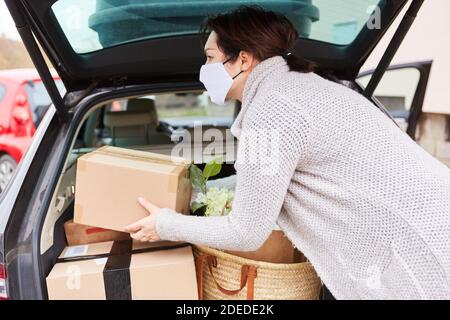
(91, 25)
(39, 100)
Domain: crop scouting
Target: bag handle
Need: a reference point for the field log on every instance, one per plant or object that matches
(248, 275)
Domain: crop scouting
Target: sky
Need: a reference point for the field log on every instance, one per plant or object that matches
(7, 27)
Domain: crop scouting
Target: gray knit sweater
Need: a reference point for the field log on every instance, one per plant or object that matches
(367, 206)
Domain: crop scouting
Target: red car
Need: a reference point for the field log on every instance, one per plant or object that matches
(23, 103)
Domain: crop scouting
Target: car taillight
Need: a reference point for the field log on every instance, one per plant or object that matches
(23, 124)
(3, 293)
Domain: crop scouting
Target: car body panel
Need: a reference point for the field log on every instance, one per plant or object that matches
(14, 146)
(13, 141)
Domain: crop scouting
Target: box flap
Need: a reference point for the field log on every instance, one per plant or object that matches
(149, 156)
(135, 159)
(87, 249)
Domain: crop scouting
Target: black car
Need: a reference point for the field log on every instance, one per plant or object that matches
(119, 58)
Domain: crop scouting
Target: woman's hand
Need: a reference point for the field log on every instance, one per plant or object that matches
(145, 229)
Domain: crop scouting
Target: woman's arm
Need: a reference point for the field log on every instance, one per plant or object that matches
(270, 147)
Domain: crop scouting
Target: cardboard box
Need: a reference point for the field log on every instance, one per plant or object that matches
(277, 249)
(109, 181)
(77, 234)
(124, 270)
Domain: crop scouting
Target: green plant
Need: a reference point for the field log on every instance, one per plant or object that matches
(199, 177)
(213, 201)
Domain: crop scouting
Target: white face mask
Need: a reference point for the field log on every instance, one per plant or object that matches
(216, 80)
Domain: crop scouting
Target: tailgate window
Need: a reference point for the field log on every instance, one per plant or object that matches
(92, 25)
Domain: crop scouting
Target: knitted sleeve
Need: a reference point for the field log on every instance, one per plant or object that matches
(272, 143)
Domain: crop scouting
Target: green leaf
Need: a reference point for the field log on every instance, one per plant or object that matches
(197, 205)
(197, 179)
(212, 168)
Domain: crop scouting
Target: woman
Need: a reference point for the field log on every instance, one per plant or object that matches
(367, 206)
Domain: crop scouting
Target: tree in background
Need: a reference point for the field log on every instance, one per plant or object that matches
(13, 54)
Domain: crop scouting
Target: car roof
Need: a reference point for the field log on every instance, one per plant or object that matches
(22, 75)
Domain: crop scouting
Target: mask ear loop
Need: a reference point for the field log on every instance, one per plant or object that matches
(229, 60)
(237, 74)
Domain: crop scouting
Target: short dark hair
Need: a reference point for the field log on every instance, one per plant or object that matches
(263, 33)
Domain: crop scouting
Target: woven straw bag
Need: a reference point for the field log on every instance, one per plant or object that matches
(223, 276)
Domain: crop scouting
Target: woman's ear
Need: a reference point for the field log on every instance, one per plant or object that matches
(246, 60)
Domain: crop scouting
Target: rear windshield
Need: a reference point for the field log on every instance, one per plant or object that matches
(92, 25)
(39, 100)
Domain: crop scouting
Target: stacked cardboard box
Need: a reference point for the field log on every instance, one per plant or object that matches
(123, 270)
(109, 181)
(78, 234)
